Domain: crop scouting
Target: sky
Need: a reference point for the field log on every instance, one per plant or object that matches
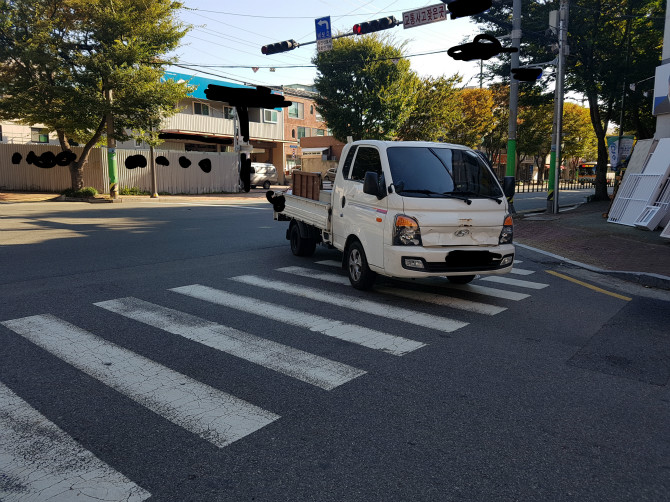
(226, 38)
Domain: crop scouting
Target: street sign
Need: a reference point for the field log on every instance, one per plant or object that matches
(425, 15)
(324, 41)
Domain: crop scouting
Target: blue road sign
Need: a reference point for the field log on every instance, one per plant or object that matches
(322, 28)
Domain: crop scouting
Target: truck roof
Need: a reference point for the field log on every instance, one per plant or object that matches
(387, 144)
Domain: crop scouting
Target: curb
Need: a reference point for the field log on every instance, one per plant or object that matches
(642, 278)
(90, 200)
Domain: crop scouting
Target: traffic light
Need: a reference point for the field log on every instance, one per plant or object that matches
(377, 25)
(287, 45)
(462, 8)
(529, 74)
(484, 46)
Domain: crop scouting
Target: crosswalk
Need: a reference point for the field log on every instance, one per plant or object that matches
(61, 469)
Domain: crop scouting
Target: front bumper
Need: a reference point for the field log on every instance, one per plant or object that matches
(415, 261)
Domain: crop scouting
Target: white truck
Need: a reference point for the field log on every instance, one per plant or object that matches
(406, 210)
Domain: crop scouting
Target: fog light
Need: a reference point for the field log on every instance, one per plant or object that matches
(507, 260)
(413, 263)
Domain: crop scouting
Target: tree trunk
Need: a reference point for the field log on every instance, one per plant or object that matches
(601, 168)
(77, 175)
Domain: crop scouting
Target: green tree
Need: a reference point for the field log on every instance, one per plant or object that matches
(612, 43)
(437, 111)
(478, 119)
(366, 88)
(495, 140)
(535, 121)
(60, 59)
(579, 139)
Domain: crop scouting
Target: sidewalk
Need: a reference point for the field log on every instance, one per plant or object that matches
(583, 235)
(579, 235)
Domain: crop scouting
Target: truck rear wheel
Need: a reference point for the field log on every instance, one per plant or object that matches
(360, 275)
(301, 246)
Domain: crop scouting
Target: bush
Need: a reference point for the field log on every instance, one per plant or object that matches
(132, 191)
(83, 193)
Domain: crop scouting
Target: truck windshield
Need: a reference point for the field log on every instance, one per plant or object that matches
(434, 172)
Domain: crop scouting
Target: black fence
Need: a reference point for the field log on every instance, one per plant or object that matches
(543, 186)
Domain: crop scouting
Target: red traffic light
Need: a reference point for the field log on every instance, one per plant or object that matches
(287, 45)
(377, 25)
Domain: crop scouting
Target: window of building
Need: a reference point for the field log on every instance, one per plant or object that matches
(318, 117)
(311, 109)
(255, 115)
(200, 109)
(293, 133)
(228, 112)
(138, 142)
(38, 135)
(0, 134)
(296, 110)
(318, 132)
(303, 132)
(270, 116)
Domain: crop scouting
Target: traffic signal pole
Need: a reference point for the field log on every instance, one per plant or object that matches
(557, 137)
(510, 173)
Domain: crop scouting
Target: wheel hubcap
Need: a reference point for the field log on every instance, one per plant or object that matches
(355, 265)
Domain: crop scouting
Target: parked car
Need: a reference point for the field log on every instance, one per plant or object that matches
(263, 174)
(330, 174)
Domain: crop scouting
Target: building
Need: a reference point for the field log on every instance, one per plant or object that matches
(301, 121)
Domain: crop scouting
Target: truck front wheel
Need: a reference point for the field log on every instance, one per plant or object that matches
(301, 246)
(360, 275)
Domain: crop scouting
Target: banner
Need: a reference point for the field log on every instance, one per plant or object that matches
(617, 152)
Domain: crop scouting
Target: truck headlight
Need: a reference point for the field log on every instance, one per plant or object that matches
(507, 232)
(406, 231)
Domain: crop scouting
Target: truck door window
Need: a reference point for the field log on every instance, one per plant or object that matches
(366, 160)
(348, 161)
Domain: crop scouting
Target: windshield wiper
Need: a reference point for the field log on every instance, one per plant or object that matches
(498, 199)
(451, 195)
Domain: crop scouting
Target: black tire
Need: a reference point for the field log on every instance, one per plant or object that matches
(460, 279)
(301, 246)
(360, 275)
(266, 185)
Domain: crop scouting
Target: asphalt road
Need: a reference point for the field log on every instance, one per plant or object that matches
(181, 353)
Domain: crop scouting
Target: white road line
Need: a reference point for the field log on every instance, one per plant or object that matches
(315, 274)
(203, 410)
(447, 301)
(518, 261)
(514, 282)
(295, 363)
(372, 339)
(486, 291)
(359, 304)
(40, 462)
(521, 271)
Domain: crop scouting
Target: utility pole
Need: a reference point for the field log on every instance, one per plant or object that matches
(557, 139)
(111, 150)
(513, 103)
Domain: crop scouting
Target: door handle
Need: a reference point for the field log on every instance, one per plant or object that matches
(344, 201)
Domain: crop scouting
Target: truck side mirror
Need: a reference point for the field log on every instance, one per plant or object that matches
(372, 185)
(508, 186)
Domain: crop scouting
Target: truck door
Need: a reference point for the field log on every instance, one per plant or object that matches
(358, 213)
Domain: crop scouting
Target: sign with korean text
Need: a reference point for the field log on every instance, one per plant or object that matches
(425, 15)
(324, 41)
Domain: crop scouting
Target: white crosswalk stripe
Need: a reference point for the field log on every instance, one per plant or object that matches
(486, 291)
(330, 263)
(295, 363)
(208, 412)
(446, 301)
(521, 271)
(360, 335)
(358, 304)
(40, 462)
(315, 274)
(514, 282)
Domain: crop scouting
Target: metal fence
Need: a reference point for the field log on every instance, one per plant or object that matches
(35, 167)
(543, 186)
